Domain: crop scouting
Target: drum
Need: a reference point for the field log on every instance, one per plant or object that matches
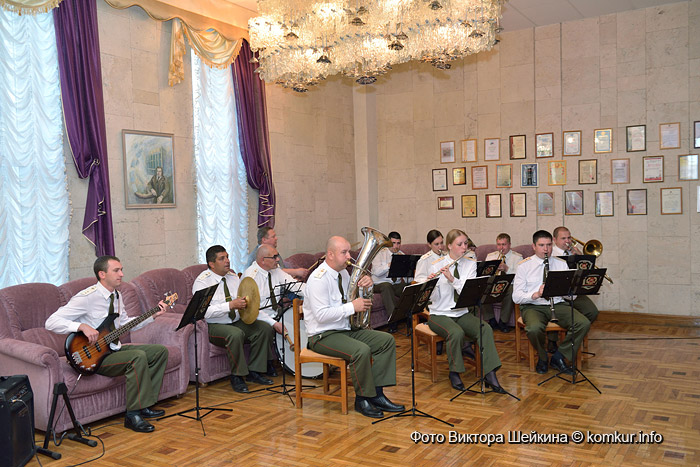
(308, 370)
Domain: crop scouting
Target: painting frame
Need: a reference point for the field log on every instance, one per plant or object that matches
(440, 179)
(447, 152)
(529, 175)
(671, 199)
(518, 204)
(588, 172)
(556, 173)
(573, 203)
(571, 143)
(459, 176)
(518, 147)
(492, 149)
(480, 177)
(144, 152)
(604, 203)
(504, 175)
(469, 207)
(493, 205)
(602, 140)
(637, 202)
(544, 145)
(669, 135)
(653, 169)
(636, 138)
(446, 203)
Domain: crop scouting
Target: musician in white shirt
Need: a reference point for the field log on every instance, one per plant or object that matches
(509, 263)
(453, 324)
(390, 289)
(437, 245)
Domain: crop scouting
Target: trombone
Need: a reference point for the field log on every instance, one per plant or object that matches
(591, 247)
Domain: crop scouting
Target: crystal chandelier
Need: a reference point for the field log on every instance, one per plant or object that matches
(301, 42)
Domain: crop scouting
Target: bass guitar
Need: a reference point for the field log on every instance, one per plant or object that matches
(86, 358)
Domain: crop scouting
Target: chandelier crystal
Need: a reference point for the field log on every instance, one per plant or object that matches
(301, 42)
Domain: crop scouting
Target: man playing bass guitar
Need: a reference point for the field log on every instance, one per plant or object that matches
(143, 365)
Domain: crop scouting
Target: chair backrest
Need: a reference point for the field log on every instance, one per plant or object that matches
(151, 285)
(298, 315)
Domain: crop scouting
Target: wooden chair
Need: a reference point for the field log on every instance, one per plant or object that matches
(304, 355)
(423, 334)
(531, 353)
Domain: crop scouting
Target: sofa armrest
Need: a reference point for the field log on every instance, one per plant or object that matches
(28, 353)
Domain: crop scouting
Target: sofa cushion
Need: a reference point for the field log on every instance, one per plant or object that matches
(152, 285)
(29, 305)
(46, 338)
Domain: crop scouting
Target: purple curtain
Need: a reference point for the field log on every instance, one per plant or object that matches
(83, 107)
(253, 134)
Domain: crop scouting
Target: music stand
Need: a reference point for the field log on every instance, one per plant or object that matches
(402, 266)
(195, 311)
(582, 282)
(487, 268)
(579, 261)
(414, 297)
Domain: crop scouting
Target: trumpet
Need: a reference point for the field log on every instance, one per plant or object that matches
(501, 258)
(439, 273)
(591, 247)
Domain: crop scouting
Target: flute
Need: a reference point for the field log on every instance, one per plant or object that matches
(437, 274)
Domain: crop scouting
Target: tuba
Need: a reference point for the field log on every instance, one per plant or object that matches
(374, 242)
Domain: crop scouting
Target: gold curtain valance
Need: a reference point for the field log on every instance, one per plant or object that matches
(29, 7)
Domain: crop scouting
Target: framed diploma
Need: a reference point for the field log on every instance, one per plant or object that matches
(459, 176)
(447, 152)
(557, 173)
(518, 205)
(636, 138)
(670, 135)
(637, 202)
(468, 150)
(602, 140)
(446, 202)
(439, 179)
(504, 176)
(528, 175)
(492, 149)
(672, 200)
(573, 203)
(468, 205)
(493, 205)
(517, 147)
(571, 142)
(604, 205)
(653, 169)
(619, 171)
(480, 179)
(588, 172)
(696, 134)
(545, 204)
(544, 144)
(688, 167)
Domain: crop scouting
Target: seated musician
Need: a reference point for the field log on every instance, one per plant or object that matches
(142, 365)
(226, 329)
(390, 289)
(537, 311)
(509, 263)
(437, 245)
(371, 354)
(266, 272)
(267, 236)
(454, 269)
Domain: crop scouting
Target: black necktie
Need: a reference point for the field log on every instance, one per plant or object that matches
(456, 276)
(273, 299)
(227, 294)
(111, 303)
(340, 287)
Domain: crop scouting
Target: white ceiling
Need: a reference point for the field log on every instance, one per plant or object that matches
(523, 14)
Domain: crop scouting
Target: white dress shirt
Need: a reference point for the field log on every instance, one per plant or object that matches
(90, 306)
(442, 299)
(512, 259)
(528, 279)
(556, 251)
(218, 311)
(424, 264)
(380, 267)
(279, 277)
(324, 309)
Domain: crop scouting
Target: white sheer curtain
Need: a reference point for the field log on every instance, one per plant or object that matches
(34, 204)
(222, 202)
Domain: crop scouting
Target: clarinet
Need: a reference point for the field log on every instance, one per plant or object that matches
(551, 299)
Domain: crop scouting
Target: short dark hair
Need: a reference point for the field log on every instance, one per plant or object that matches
(102, 264)
(503, 236)
(540, 234)
(212, 252)
(395, 235)
(262, 233)
(433, 234)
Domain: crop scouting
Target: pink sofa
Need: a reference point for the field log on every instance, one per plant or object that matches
(26, 347)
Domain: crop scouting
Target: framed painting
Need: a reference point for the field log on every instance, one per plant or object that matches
(149, 169)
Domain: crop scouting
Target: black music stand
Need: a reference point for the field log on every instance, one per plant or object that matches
(195, 311)
(474, 293)
(414, 297)
(487, 268)
(402, 266)
(579, 261)
(582, 282)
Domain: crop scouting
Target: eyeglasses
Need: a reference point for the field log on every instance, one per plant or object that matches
(272, 257)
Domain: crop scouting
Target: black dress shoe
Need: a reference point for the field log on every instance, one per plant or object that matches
(271, 372)
(383, 403)
(255, 377)
(456, 381)
(541, 367)
(491, 381)
(152, 413)
(503, 327)
(238, 384)
(366, 408)
(494, 324)
(134, 422)
(468, 351)
(557, 362)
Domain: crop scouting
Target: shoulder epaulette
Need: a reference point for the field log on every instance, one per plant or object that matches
(516, 253)
(319, 273)
(557, 258)
(439, 259)
(231, 273)
(526, 259)
(470, 258)
(88, 291)
(206, 273)
(426, 255)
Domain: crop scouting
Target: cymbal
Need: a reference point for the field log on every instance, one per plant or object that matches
(249, 289)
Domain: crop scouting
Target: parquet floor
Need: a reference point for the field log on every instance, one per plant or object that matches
(648, 376)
